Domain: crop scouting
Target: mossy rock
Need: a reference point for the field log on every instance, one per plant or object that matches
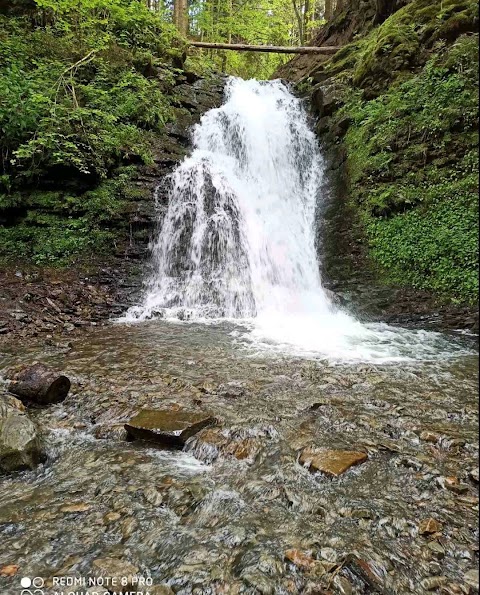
(392, 51)
(402, 43)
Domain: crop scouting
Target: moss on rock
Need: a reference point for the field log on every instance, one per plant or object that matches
(408, 121)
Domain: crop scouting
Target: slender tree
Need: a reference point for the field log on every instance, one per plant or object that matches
(328, 9)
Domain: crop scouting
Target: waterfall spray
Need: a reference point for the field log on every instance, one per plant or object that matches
(238, 239)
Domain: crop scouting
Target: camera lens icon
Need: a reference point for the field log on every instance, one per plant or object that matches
(27, 582)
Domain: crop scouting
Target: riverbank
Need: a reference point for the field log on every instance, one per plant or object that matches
(47, 303)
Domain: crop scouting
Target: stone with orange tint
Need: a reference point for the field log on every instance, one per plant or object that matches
(331, 462)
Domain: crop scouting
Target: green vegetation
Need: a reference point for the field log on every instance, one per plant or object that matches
(56, 226)
(255, 22)
(87, 87)
(82, 94)
(411, 102)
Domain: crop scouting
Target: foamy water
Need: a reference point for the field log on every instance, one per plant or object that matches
(238, 239)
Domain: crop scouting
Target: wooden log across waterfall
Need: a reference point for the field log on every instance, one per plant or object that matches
(240, 47)
(40, 384)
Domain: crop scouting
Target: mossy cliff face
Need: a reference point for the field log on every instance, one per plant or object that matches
(95, 107)
(399, 105)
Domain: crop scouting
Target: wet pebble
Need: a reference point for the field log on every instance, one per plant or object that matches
(153, 496)
(471, 578)
(436, 549)
(344, 585)
(432, 583)
(429, 526)
(111, 517)
(114, 568)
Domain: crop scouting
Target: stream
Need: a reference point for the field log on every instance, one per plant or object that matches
(235, 323)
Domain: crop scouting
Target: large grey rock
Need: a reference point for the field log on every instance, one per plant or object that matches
(169, 428)
(326, 98)
(19, 442)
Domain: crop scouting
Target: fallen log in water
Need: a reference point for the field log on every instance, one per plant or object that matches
(40, 384)
(241, 47)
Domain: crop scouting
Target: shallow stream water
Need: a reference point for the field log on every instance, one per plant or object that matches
(199, 519)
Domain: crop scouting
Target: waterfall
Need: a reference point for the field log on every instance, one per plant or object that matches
(238, 238)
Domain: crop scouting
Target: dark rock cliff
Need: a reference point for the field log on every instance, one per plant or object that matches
(194, 96)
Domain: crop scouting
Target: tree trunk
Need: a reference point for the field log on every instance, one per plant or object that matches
(176, 11)
(299, 17)
(306, 18)
(40, 384)
(275, 49)
(328, 9)
(183, 17)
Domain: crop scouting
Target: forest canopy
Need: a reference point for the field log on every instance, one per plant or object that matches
(267, 22)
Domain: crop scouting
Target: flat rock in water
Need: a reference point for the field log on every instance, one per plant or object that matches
(169, 428)
(428, 526)
(331, 462)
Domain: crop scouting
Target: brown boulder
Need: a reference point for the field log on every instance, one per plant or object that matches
(331, 462)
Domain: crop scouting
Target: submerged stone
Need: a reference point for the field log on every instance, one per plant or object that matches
(471, 578)
(473, 474)
(367, 571)
(19, 441)
(76, 507)
(299, 558)
(209, 444)
(428, 526)
(169, 428)
(432, 583)
(331, 462)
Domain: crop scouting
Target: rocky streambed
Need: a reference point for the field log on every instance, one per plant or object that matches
(309, 477)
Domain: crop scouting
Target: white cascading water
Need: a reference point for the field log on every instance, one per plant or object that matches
(238, 238)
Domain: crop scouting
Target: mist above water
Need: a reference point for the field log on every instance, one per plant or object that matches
(238, 239)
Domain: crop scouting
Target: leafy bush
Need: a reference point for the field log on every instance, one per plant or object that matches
(75, 107)
(433, 246)
(53, 240)
(84, 88)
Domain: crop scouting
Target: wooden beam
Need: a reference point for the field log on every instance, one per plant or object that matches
(240, 47)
